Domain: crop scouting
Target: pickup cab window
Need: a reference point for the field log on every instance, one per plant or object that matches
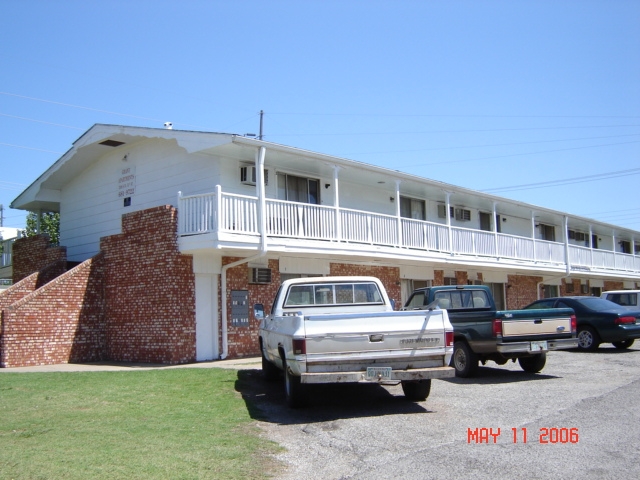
(461, 299)
(333, 294)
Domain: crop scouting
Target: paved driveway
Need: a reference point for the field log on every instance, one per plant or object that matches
(580, 415)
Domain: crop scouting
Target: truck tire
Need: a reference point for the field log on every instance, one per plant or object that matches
(623, 344)
(269, 371)
(295, 392)
(416, 391)
(534, 363)
(588, 339)
(464, 360)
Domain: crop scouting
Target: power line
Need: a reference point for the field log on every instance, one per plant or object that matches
(567, 181)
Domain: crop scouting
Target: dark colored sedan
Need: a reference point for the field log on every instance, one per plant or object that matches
(599, 320)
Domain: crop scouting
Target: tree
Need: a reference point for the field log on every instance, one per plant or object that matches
(49, 224)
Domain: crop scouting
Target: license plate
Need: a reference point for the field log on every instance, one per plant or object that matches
(378, 373)
(539, 346)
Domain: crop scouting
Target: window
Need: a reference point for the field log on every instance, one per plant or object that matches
(442, 211)
(550, 291)
(485, 221)
(462, 299)
(569, 287)
(625, 247)
(298, 189)
(333, 294)
(416, 301)
(624, 299)
(412, 208)
(548, 232)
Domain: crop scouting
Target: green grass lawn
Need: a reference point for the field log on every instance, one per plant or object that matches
(174, 423)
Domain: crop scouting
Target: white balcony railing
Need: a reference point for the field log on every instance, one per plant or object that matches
(238, 214)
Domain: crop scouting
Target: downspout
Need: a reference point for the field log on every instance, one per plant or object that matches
(450, 233)
(262, 249)
(398, 218)
(567, 260)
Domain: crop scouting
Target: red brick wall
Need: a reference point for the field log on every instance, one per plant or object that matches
(18, 291)
(389, 276)
(149, 291)
(32, 254)
(243, 341)
(521, 291)
(60, 322)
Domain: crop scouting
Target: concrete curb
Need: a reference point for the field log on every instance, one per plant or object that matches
(251, 363)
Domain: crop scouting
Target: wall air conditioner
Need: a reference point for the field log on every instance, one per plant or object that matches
(248, 175)
(463, 214)
(260, 275)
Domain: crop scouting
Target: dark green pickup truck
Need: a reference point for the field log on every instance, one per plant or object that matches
(482, 333)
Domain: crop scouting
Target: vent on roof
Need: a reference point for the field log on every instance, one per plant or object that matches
(111, 143)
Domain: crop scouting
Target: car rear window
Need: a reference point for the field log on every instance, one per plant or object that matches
(624, 299)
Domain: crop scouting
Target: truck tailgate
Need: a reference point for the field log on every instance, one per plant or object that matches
(555, 323)
(398, 339)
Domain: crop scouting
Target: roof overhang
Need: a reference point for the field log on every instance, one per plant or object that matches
(44, 193)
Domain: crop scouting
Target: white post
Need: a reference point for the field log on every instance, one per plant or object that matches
(336, 203)
(398, 218)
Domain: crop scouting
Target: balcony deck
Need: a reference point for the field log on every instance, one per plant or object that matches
(239, 215)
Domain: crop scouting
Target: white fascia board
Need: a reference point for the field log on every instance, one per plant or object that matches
(78, 159)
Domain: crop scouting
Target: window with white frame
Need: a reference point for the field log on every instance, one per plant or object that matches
(298, 189)
(412, 208)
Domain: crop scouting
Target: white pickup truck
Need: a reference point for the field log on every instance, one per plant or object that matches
(344, 330)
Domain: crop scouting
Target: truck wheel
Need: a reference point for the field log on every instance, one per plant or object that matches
(533, 364)
(588, 339)
(269, 370)
(294, 390)
(464, 360)
(624, 344)
(416, 391)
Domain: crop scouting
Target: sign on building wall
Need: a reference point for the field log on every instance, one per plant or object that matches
(240, 308)
(127, 182)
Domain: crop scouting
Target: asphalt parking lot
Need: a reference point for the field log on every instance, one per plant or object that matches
(580, 416)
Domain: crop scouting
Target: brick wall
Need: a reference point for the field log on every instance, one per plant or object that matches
(521, 291)
(60, 322)
(32, 254)
(149, 291)
(389, 276)
(243, 341)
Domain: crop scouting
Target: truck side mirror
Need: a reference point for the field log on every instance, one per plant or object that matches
(258, 311)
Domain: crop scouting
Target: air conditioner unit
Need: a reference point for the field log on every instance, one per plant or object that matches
(463, 214)
(260, 275)
(248, 175)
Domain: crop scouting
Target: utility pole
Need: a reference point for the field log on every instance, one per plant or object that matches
(1, 215)
(261, 115)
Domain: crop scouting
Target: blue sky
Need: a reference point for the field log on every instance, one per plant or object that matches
(537, 101)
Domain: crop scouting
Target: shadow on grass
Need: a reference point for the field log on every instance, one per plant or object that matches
(265, 401)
